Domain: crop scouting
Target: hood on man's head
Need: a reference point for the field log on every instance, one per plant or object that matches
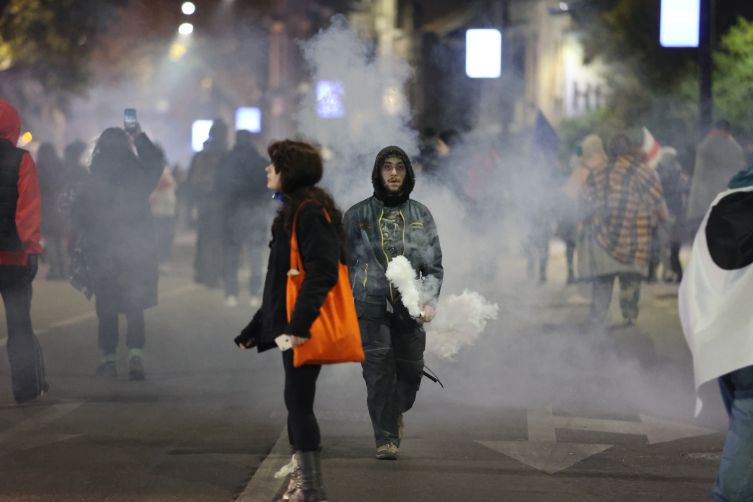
(376, 175)
(10, 122)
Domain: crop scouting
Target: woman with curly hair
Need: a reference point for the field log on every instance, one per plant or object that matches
(295, 170)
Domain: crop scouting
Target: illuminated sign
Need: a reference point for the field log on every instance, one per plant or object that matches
(329, 103)
(483, 53)
(199, 134)
(680, 23)
(248, 119)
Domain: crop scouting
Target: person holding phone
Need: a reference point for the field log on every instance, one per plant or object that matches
(111, 210)
(295, 170)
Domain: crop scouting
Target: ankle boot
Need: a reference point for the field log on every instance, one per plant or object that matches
(295, 477)
(311, 484)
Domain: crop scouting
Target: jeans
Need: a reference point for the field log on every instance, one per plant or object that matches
(56, 256)
(601, 298)
(107, 312)
(538, 246)
(233, 252)
(300, 390)
(24, 351)
(244, 226)
(735, 480)
(393, 344)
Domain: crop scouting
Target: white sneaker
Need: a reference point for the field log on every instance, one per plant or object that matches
(231, 302)
(255, 302)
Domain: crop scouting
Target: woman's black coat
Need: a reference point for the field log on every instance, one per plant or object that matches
(111, 209)
(320, 250)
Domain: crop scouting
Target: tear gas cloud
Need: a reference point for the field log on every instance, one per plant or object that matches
(402, 275)
(521, 347)
(459, 322)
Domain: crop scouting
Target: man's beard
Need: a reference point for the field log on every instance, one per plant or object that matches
(397, 191)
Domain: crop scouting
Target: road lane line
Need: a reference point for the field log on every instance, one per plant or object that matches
(92, 315)
(263, 485)
(72, 320)
(38, 421)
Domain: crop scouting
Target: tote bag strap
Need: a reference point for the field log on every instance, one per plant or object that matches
(295, 256)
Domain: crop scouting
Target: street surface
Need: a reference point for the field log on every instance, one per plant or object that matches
(537, 410)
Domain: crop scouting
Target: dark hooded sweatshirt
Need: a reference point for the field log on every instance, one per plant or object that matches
(384, 226)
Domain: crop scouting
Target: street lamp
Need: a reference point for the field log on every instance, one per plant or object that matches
(688, 23)
(680, 23)
(188, 8)
(185, 29)
(483, 53)
(248, 119)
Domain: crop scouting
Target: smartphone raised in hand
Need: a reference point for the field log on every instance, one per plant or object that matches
(129, 120)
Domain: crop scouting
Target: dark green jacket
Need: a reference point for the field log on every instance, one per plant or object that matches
(368, 260)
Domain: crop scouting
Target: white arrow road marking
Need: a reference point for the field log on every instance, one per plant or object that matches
(263, 485)
(660, 430)
(546, 457)
(16, 438)
(542, 451)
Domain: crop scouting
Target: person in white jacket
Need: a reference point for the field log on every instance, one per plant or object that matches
(717, 321)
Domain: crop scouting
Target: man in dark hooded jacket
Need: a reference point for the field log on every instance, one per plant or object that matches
(201, 176)
(241, 184)
(380, 228)
(20, 217)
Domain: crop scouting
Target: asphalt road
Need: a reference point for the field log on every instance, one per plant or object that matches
(535, 410)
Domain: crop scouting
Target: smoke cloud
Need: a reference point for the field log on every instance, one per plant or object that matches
(403, 277)
(459, 322)
(493, 326)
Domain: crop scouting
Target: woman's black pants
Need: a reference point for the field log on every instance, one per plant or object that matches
(107, 312)
(300, 388)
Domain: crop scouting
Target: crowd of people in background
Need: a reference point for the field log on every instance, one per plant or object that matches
(569, 198)
(655, 205)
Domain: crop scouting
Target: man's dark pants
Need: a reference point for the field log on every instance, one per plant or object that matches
(393, 344)
(24, 351)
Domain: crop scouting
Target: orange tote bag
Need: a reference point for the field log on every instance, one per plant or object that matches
(335, 335)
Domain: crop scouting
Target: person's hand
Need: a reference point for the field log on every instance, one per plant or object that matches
(428, 314)
(32, 264)
(245, 340)
(297, 340)
(136, 131)
(247, 344)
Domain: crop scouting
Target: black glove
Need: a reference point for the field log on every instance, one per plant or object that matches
(245, 339)
(249, 336)
(33, 265)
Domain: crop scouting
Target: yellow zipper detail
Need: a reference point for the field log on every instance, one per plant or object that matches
(381, 233)
(365, 276)
(404, 225)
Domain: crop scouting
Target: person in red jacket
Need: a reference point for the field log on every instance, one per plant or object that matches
(20, 217)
